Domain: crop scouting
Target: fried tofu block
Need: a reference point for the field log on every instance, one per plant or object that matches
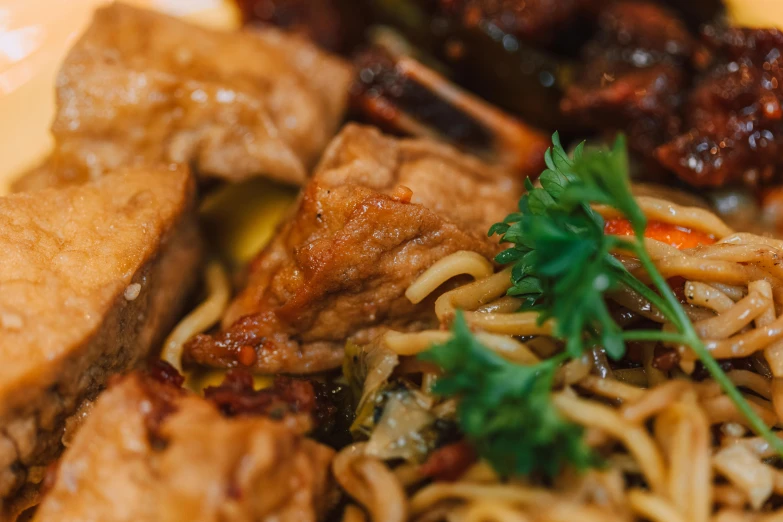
(91, 279)
(141, 87)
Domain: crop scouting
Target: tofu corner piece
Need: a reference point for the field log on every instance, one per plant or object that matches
(91, 279)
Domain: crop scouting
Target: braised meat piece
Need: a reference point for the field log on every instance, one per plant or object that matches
(319, 21)
(401, 95)
(150, 452)
(332, 24)
(142, 87)
(449, 462)
(733, 116)
(530, 20)
(237, 395)
(377, 213)
(325, 404)
(91, 279)
(634, 73)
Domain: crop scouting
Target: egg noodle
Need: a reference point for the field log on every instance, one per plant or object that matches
(675, 446)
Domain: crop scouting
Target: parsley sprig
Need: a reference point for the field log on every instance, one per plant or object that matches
(505, 408)
(563, 267)
(562, 259)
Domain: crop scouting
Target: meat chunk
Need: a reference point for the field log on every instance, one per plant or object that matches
(634, 73)
(237, 395)
(404, 96)
(377, 213)
(325, 405)
(142, 87)
(319, 21)
(149, 452)
(91, 278)
(449, 462)
(734, 117)
(333, 24)
(531, 20)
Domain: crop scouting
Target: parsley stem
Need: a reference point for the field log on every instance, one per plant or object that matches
(693, 341)
(678, 315)
(655, 335)
(637, 286)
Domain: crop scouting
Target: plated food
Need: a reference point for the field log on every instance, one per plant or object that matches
(559, 305)
(373, 217)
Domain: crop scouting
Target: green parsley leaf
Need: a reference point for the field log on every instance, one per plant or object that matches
(562, 259)
(563, 267)
(505, 409)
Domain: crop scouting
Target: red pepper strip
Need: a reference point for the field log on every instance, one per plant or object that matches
(449, 462)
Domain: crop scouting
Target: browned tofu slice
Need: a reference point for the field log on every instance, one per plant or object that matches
(91, 278)
(143, 87)
(148, 452)
(378, 212)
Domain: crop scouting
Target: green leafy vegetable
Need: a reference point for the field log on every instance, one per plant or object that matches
(505, 409)
(562, 259)
(563, 268)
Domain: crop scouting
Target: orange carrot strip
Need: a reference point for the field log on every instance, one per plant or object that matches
(676, 236)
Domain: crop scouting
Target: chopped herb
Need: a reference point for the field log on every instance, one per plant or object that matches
(562, 259)
(505, 409)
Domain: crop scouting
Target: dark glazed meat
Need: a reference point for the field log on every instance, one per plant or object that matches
(404, 96)
(91, 279)
(130, 463)
(332, 24)
(449, 462)
(326, 406)
(733, 116)
(633, 76)
(142, 87)
(236, 395)
(531, 20)
(377, 213)
(318, 20)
